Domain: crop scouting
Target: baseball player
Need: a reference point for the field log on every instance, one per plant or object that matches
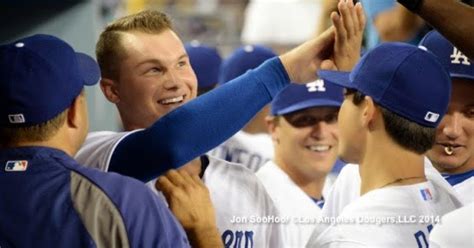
(158, 88)
(154, 79)
(453, 152)
(48, 199)
(205, 61)
(456, 167)
(383, 112)
(303, 127)
(251, 146)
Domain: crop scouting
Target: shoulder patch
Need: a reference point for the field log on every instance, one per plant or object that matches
(16, 165)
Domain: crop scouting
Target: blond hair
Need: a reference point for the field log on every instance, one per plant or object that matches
(109, 48)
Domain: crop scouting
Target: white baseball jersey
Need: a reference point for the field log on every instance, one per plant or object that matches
(346, 189)
(98, 147)
(297, 209)
(456, 229)
(244, 211)
(251, 150)
(463, 184)
(394, 216)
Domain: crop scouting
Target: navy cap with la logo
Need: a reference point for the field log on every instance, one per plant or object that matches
(40, 76)
(296, 97)
(402, 78)
(457, 63)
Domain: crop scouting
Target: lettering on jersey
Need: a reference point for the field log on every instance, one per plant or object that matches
(239, 239)
(252, 161)
(426, 194)
(422, 237)
(459, 58)
(16, 118)
(317, 85)
(16, 165)
(431, 117)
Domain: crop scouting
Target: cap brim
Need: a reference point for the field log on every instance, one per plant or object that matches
(461, 75)
(308, 104)
(89, 69)
(340, 78)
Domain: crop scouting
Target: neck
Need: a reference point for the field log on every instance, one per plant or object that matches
(312, 186)
(387, 164)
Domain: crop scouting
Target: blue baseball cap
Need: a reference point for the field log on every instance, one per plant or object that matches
(243, 59)
(402, 78)
(296, 97)
(458, 64)
(40, 76)
(205, 61)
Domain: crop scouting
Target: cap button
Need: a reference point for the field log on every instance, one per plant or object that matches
(20, 44)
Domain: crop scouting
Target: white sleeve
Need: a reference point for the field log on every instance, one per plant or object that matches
(98, 148)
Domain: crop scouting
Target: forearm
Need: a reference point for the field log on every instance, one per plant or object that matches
(204, 237)
(198, 126)
(454, 20)
(397, 24)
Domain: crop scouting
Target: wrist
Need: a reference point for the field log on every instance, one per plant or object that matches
(412, 5)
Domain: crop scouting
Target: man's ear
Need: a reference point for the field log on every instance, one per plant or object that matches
(110, 89)
(369, 114)
(73, 113)
(271, 123)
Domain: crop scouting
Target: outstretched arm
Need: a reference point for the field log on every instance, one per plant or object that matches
(451, 18)
(201, 124)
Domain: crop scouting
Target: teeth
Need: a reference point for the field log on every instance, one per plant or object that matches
(319, 148)
(172, 100)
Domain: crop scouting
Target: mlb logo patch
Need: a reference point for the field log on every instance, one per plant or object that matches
(431, 117)
(16, 165)
(426, 194)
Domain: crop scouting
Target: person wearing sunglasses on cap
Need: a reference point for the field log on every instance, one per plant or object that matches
(303, 127)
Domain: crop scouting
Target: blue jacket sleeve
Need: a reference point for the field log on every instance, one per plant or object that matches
(198, 126)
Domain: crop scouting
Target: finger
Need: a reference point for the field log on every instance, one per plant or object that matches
(345, 13)
(341, 33)
(175, 178)
(328, 65)
(354, 17)
(187, 179)
(361, 16)
(198, 181)
(164, 185)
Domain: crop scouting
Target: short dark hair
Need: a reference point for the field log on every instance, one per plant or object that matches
(11, 136)
(406, 133)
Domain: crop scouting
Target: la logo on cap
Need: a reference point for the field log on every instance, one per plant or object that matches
(457, 56)
(317, 85)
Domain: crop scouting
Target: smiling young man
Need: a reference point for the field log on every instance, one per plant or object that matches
(303, 127)
(153, 77)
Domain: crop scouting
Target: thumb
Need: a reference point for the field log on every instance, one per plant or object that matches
(328, 65)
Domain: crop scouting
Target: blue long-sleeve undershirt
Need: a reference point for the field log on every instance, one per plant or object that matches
(199, 125)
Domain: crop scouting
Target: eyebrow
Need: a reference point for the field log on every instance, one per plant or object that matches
(157, 61)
